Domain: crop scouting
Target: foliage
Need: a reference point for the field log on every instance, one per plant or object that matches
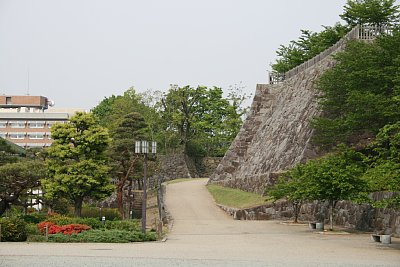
(65, 220)
(374, 12)
(103, 236)
(290, 186)
(126, 225)
(307, 46)
(126, 164)
(68, 229)
(33, 217)
(16, 179)
(13, 229)
(94, 212)
(76, 161)
(384, 160)
(202, 119)
(9, 152)
(361, 94)
(234, 197)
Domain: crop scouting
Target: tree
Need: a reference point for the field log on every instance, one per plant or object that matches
(383, 173)
(77, 162)
(335, 177)
(291, 186)
(308, 45)
(125, 163)
(361, 93)
(374, 12)
(16, 179)
(205, 122)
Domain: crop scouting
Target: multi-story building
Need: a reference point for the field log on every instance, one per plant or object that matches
(26, 120)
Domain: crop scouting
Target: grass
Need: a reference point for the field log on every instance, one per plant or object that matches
(235, 198)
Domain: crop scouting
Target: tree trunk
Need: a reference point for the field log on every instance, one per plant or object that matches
(120, 189)
(331, 213)
(78, 207)
(3, 207)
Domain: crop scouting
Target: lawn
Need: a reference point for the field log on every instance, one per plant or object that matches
(235, 198)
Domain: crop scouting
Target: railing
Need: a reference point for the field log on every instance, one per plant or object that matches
(360, 32)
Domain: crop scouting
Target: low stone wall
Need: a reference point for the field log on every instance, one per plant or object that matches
(347, 214)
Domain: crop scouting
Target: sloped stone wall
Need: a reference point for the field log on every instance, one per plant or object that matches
(276, 134)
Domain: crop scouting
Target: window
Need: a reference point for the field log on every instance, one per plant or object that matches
(3, 135)
(8, 100)
(48, 136)
(36, 135)
(17, 124)
(3, 124)
(30, 145)
(36, 124)
(16, 135)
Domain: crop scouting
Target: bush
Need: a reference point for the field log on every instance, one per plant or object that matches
(94, 212)
(33, 217)
(104, 236)
(13, 229)
(32, 229)
(67, 229)
(127, 225)
(94, 223)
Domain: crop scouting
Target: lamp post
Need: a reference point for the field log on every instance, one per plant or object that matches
(142, 147)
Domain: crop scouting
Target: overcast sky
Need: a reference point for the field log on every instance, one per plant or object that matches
(79, 51)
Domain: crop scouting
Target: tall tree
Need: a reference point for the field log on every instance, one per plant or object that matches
(375, 12)
(361, 93)
(77, 162)
(125, 163)
(383, 173)
(16, 179)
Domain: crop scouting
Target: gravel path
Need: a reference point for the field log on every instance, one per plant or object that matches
(203, 235)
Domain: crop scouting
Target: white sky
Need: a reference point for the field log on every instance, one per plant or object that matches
(79, 51)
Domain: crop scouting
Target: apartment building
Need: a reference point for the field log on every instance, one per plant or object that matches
(27, 120)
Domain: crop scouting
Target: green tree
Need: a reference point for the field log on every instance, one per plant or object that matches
(374, 12)
(125, 163)
(16, 179)
(77, 162)
(308, 45)
(361, 93)
(383, 173)
(336, 177)
(205, 122)
(291, 186)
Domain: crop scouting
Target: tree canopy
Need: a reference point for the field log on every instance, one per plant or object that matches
(76, 161)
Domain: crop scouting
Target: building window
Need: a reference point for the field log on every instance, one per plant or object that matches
(36, 124)
(3, 124)
(48, 136)
(16, 135)
(30, 145)
(8, 100)
(17, 124)
(3, 135)
(36, 135)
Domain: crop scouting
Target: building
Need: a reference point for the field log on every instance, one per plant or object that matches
(27, 120)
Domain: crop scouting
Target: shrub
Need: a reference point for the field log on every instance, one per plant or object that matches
(68, 229)
(13, 229)
(32, 229)
(94, 212)
(127, 225)
(34, 217)
(104, 236)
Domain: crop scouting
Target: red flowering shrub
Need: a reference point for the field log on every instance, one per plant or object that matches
(42, 226)
(68, 229)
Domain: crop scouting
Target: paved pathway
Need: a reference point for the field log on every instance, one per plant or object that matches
(205, 236)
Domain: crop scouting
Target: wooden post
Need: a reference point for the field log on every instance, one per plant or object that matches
(47, 232)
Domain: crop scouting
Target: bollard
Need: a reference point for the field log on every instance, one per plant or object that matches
(386, 239)
(47, 232)
(319, 226)
(103, 220)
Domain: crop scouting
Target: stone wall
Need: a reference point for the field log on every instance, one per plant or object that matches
(276, 134)
(361, 217)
